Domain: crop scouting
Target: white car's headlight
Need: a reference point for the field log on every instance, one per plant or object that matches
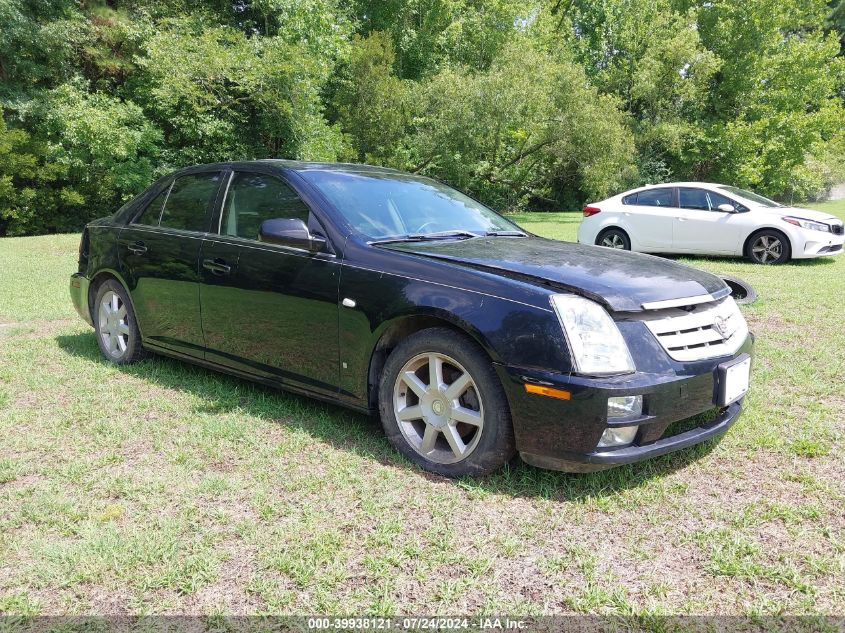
(596, 344)
(807, 224)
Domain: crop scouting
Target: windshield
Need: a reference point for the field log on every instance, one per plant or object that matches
(750, 196)
(388, 205)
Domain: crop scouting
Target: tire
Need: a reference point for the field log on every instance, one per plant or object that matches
(117, 336)
(478, 443)
(768, 246)
(614, 238)
(742, 291)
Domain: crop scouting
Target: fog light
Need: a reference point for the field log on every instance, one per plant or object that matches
(619, 408)
(625, 407)
(617, 436)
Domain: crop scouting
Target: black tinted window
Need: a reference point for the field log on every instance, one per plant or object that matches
(716, 199)
(702, 199)
(655, 198)
(189, 201)
(694, 199)
(253, 198)
(631, 198)
(151, 214)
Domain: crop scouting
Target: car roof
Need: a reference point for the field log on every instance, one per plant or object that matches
(296, 165)
(705, 185)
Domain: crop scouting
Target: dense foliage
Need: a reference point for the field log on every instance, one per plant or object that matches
(524, 103)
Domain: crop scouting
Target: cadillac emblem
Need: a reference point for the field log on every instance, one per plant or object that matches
(720, 324)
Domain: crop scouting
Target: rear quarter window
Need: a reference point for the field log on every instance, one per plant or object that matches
(631, 198)
(189, 202)
(150, 215)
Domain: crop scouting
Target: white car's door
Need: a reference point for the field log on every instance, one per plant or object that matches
(648, 217)
(701, 227)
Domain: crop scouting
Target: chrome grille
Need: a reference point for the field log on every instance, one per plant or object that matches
(701, 331)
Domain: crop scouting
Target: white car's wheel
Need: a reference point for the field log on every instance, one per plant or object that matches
(768, 246)
(614, 238)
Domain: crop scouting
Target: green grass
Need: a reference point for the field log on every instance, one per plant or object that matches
(164, 488)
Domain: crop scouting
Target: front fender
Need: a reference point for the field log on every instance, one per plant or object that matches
(510, 332)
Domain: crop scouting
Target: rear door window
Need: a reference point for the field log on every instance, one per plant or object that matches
(694, 199)
(188, 205)
(655, 198)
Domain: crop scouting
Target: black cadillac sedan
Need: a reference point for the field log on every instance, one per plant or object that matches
(389, 292)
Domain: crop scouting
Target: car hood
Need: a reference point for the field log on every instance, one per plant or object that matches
(798, 212)
(622, 280)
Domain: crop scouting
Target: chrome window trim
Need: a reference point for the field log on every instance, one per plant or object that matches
(245, 242)
(146, 228)
(223, 203)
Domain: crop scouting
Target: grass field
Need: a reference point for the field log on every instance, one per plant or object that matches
(164, 488)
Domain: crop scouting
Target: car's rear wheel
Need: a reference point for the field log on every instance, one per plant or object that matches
(442, 405)
(115, 325)
(768, 247)
(614, 238)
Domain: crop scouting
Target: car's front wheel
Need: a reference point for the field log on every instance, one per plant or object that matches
(614, 238)
(768, 247)
(115, 325)
(442, 405)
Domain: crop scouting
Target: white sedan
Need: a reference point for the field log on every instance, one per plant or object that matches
(709, 219)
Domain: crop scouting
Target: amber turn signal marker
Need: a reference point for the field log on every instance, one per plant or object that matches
(551, 392)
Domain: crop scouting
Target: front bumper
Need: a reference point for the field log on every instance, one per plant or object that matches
(817, 244)
(564, 434)
(79, 285)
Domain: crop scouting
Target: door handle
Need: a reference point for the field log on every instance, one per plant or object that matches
(217, 266)
(138, 248)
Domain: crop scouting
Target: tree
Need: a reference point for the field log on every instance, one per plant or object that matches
(372, 104)
(28, 200)
(531, 128)
(775, 97)
(219, 95)
(650, 56)
(429, 35)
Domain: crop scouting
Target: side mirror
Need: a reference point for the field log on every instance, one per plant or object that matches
(727, 208)
(290, 232)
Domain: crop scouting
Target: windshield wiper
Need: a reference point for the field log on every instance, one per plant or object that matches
(422, 237)
(506, 234)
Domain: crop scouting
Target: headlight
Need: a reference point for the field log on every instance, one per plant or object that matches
(807, 224)
(597, 345)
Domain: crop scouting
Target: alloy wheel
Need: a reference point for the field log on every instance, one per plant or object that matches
(766, 249)
(114, 330)
(438, 408)
(613, 240)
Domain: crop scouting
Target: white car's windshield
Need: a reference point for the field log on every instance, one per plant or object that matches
(395, 205)
(750, 196)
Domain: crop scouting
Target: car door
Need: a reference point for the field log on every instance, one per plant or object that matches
(267, 309)
(159, 253)
(648, 215)
(701, 227)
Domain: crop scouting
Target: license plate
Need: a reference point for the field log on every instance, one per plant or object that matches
(733, 379)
